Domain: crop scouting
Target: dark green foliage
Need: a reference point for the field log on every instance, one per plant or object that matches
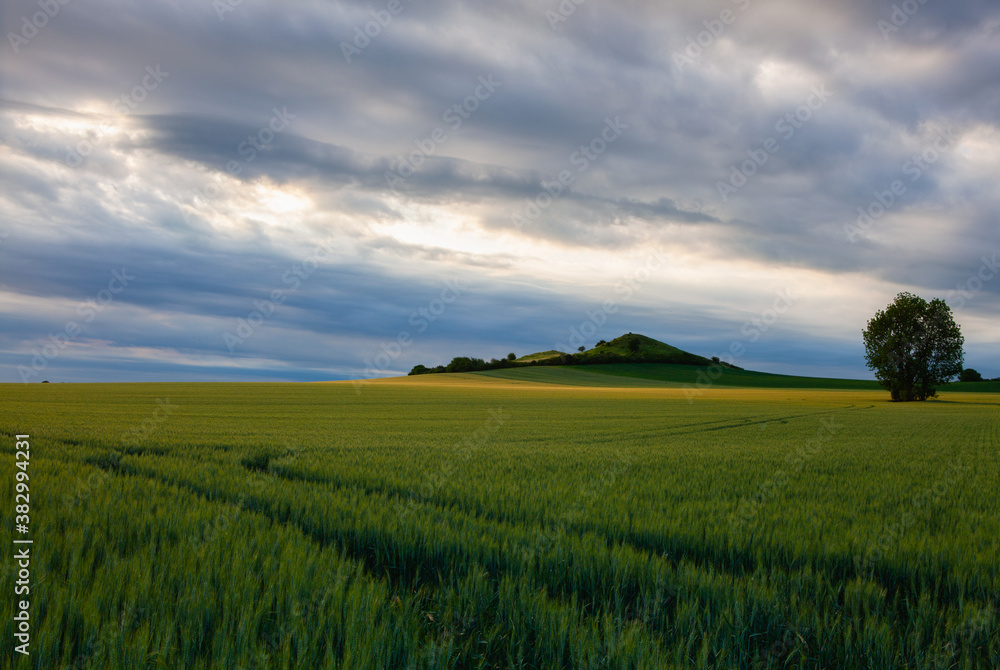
(466, 364)
(511, 356)
(913, 346)
(970, 375)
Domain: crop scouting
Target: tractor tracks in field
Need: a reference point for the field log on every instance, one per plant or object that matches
(420, 559)
(433, 539)
(414, 539)
(756, 420)
(469, 506)
(678, 430)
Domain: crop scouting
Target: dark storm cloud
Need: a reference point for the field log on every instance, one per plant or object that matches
(215, 143)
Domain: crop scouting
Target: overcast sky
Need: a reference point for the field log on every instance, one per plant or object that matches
(243, 190)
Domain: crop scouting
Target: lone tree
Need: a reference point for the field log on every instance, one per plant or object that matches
(913, 346)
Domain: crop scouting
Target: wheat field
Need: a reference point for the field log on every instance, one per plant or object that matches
(468, 521)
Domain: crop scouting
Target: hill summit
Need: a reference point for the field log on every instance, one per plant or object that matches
(635, 348)
(628, 348)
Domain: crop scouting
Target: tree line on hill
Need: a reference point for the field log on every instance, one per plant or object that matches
(468, 364)
(599, 355)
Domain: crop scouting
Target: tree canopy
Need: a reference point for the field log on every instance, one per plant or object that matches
(913, 346)
(970, 375)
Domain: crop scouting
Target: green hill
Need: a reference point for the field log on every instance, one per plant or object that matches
(540, 356)
(635, 348)
(629, 348)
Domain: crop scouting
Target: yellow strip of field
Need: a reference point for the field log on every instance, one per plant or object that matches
(692, 395)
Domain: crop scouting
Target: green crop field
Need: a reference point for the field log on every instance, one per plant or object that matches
(690, 376)
(494, 521)
(696, 377)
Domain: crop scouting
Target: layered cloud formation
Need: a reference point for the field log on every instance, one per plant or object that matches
(227, 189)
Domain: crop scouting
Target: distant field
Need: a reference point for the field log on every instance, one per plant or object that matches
(480, 521)
(584, 375)
(652, 374)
